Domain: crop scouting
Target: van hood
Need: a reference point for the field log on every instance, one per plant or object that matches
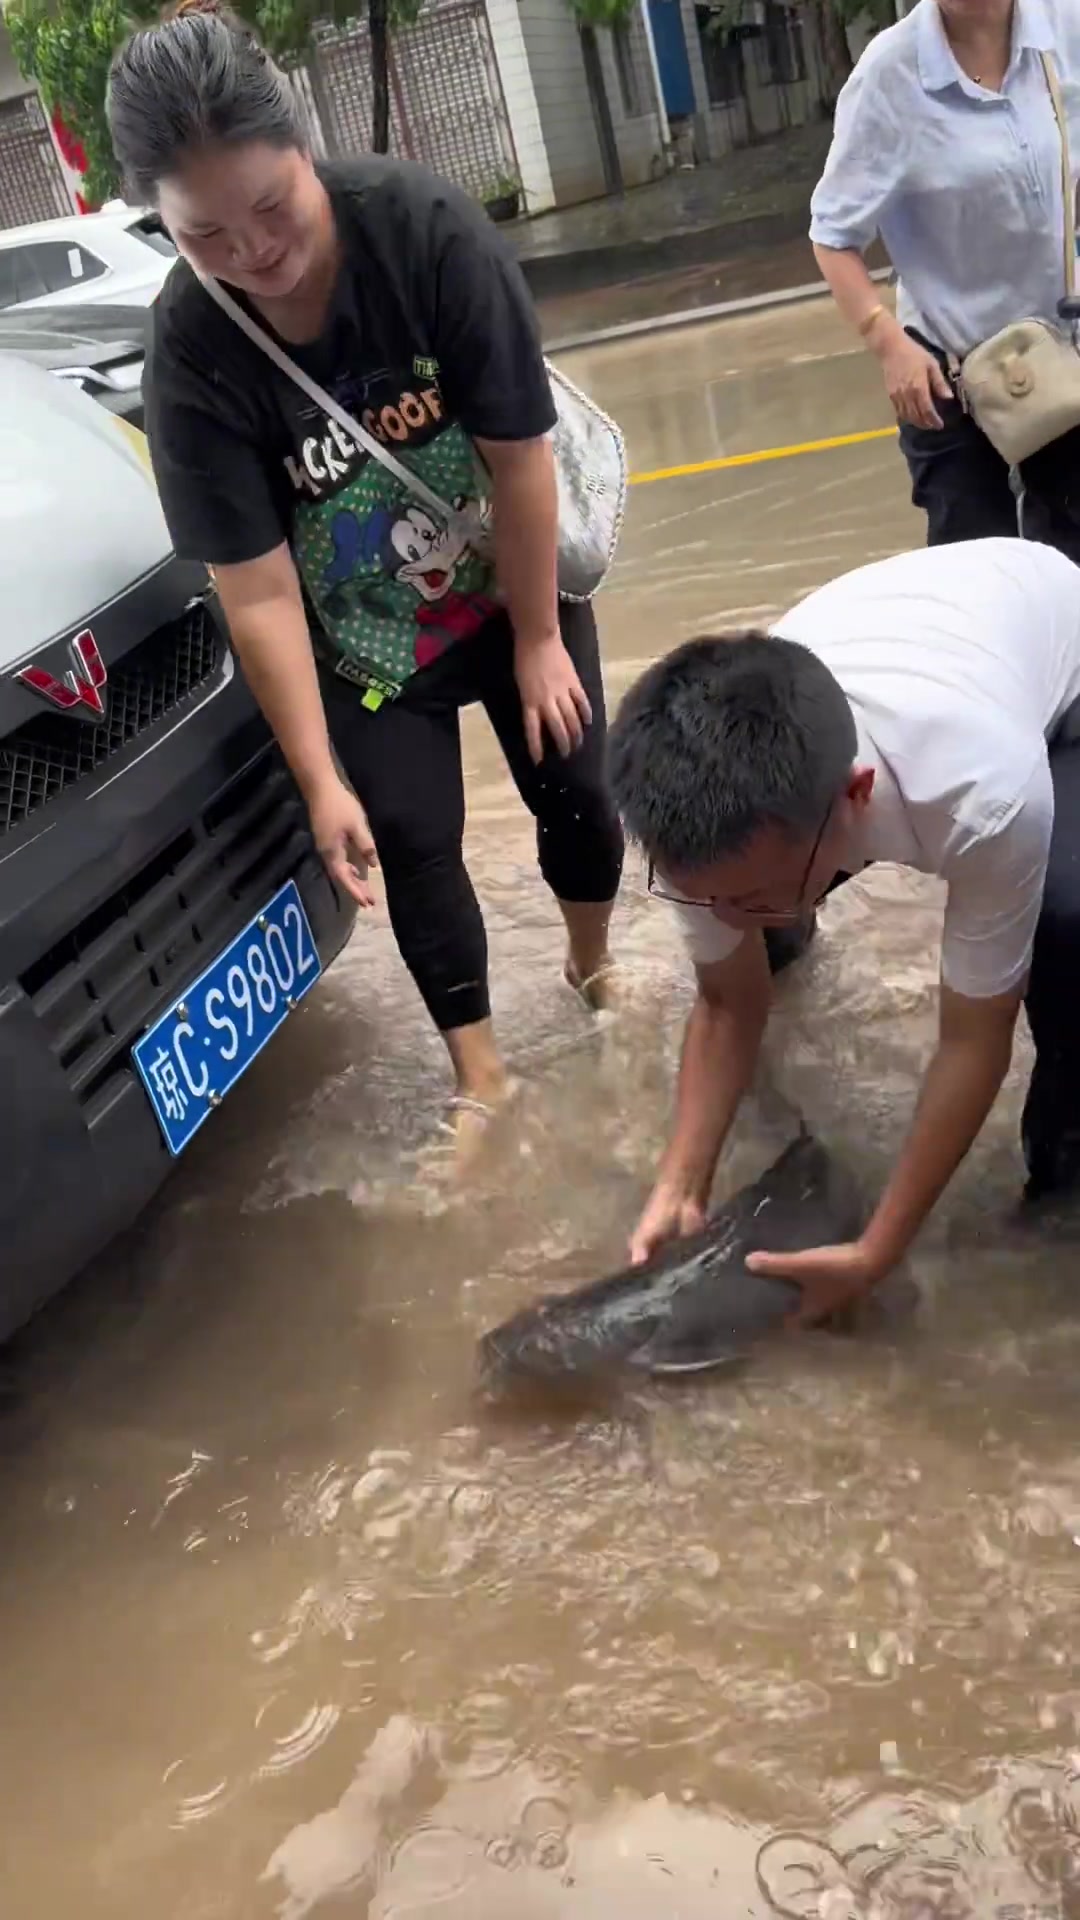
(80, 520)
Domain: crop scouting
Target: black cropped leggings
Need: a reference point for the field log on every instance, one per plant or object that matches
(404, 762)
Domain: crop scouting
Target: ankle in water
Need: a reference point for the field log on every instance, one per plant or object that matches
(484, 1093)
(595, 988)
(478, 1068)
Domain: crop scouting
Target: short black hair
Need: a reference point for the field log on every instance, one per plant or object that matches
(200, 78)
(725, 736)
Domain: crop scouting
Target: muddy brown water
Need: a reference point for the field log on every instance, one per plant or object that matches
(293, 1626)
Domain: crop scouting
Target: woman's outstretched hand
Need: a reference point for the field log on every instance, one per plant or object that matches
(552, 696)
(341, 832)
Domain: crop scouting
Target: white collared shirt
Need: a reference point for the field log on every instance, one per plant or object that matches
(959, 663)
(962, 184)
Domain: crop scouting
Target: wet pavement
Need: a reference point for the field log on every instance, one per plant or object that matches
(768, 177)
(293, 1626)
(656, 296)
(729, 230)
(753, 198)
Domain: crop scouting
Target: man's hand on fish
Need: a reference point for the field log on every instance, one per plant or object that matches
(831, 1277)
(694, 1306)
(720, 1051)
(671, 1214)
(961, 1082)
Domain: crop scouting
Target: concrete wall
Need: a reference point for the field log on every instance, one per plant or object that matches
(11, 80)
(702, 116)
(767, 109)
(550, 112)
(705, 145)
(562, 97)
(522, 106)
(762, 108)
(637, 135)
(862, 30)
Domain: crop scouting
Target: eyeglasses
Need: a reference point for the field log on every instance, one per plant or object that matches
(778, 915)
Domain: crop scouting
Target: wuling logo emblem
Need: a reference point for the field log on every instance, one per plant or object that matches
(81, 687)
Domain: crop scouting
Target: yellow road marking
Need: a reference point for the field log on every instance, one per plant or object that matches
(763, 453)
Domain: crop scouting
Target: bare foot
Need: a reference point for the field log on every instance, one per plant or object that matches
(600, 990)
(469, 1120)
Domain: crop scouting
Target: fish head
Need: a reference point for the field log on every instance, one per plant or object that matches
(541, 1343)
(588, 1334)
(522, 1345)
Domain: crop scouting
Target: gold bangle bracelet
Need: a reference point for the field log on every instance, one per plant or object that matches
(872, 318)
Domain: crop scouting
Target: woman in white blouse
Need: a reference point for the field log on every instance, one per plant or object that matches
(947, 146)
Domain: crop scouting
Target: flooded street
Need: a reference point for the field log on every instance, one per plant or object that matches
(295, 1626)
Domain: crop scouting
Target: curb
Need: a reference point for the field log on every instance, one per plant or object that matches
(692, 316)
(590, 269)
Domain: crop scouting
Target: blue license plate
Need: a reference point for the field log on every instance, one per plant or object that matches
(196, 1052)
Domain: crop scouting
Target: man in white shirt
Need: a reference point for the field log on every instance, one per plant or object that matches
(916, 711)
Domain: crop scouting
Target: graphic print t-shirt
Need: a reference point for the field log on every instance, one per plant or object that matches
(430, 342)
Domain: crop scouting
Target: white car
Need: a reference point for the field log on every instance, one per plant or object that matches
(118, 257)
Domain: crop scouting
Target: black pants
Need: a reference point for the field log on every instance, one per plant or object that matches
(405, 765)
(1051, 1122)
(962, 483)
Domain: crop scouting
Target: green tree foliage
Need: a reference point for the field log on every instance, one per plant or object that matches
(67, 45)
(287, 26)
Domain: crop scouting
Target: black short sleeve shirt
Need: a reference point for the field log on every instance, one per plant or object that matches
(430, 342)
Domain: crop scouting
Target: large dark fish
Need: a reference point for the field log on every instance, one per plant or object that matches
(694, 1305)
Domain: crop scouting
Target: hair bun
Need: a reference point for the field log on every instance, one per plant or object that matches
(180, 8)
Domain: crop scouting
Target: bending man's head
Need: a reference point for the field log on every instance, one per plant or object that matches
(733, 766)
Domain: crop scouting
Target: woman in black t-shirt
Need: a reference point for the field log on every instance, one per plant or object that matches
(358, 617)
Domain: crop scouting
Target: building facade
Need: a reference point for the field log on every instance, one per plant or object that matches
(504, 93)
